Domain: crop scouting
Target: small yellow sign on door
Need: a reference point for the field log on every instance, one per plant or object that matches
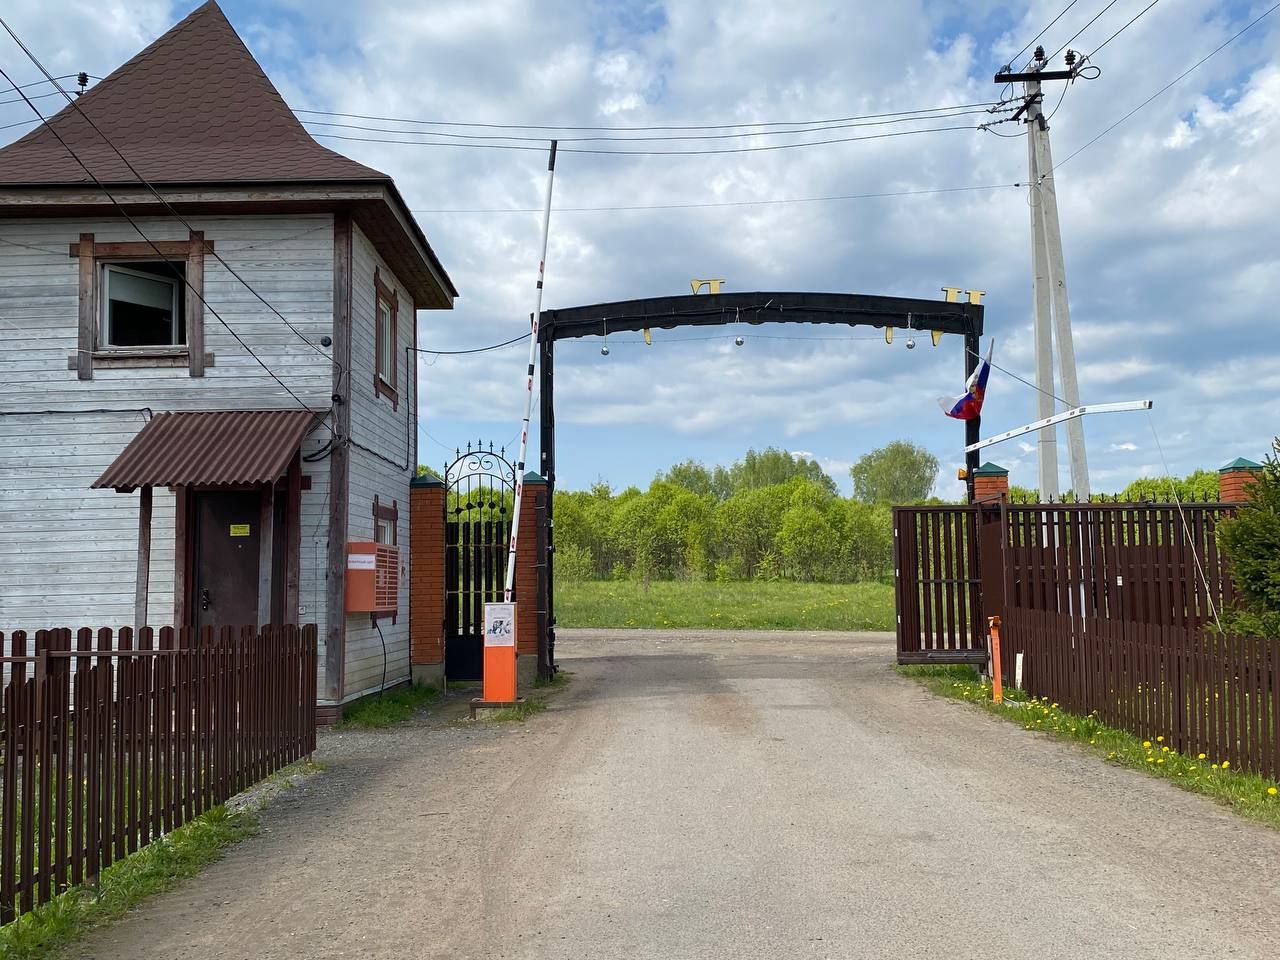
(240, 529)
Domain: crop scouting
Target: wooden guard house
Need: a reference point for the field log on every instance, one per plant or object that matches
(207, 414)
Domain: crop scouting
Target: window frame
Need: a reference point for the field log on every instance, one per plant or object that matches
(91, 348)
(102, 343)
(386, 294)
(388, 515)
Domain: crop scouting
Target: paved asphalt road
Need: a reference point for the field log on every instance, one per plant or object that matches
(696, 796)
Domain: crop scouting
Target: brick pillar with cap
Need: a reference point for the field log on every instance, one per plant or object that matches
(526, 592)
(426, 582)
(1235, 478)
(990, 482)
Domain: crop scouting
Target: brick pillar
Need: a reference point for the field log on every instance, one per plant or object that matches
(527, 580)
(426, 581)
(1235, 478)
(990, 482)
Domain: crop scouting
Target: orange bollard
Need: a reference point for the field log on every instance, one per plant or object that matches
(997, 690)
(499, 653)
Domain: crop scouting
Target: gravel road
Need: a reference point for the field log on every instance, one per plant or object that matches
(700, 795)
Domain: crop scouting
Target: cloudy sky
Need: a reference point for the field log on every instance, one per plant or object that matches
(1169, 221)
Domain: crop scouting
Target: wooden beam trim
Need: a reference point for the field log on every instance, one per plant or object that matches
(193, 290)
(87, 336)
(175, 249)
(266, 543)
(143, 581)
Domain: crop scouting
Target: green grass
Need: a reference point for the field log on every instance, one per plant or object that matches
(45, 932)
(519, 713)
(388, 708)
(731, 606)
(1250, 796)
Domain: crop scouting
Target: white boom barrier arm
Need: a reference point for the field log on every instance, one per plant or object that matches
(1072, 414)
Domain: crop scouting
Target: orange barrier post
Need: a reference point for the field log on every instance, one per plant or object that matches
(997, 690)
(499, 655)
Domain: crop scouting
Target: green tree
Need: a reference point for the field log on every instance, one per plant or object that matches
(899, 472)
(1251, 541)
(771, 466)
(806, 541)
(1201, 485)
(692, 476)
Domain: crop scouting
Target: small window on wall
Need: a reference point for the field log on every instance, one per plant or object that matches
(385, 519)
(386, 324)
(142, 305)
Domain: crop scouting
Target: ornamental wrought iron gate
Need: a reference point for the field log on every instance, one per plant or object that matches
(479, 499)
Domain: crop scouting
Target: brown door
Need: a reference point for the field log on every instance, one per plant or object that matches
(226, 558)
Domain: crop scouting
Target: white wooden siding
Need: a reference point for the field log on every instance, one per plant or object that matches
(68, 553)
(385, 472)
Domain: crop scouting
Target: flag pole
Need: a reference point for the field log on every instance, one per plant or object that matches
(528, 394)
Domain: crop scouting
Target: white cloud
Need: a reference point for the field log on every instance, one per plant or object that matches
(1166, 221)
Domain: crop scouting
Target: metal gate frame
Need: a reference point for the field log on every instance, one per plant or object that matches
(479, 491)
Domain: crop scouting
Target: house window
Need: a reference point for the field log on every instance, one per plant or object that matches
(142, 305)
(386, 322)
(385, 520)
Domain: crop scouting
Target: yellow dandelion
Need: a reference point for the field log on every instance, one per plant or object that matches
(1271, 791)
(1147, 744)
(1202, 757)
(1161, 760)
(1152, 760)
(1164, 749)
(1159, 739)
(1225, 764)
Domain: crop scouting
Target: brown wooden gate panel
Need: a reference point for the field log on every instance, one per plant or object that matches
(938, 585)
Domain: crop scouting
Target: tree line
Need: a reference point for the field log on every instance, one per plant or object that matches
(770, 516)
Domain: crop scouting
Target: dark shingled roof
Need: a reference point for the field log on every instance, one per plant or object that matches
(194, 107)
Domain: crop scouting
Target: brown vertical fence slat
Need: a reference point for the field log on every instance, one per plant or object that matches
(113, 743)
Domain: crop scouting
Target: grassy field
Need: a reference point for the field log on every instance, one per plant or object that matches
(732, 606)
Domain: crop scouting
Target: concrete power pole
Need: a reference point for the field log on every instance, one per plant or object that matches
(1049, 287)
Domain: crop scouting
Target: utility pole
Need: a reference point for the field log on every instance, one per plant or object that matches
(1049, 284)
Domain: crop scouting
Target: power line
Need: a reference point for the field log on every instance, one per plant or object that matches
(646, 139)
(1124, 28)
(1042, 32)
(729, 203)
(133, 223)
(1095, 19)
(1195, 66)
(492, 346)
(649, 153)
(646, 129)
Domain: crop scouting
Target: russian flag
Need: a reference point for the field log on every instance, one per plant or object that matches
(968, 406)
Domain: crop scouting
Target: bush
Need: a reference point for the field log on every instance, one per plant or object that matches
(574, 562)
(1251, 541)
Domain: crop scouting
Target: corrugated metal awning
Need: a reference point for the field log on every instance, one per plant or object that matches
(228, 448)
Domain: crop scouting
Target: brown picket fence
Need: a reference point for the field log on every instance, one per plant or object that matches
(1202, 691)
(111, 739)
(956, 566)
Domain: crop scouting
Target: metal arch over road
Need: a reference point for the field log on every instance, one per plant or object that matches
(715, 309)
(854, 309)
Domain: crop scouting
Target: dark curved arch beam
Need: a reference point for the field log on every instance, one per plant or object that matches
(710, 309)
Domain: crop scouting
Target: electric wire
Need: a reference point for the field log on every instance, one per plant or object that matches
(645, 139)
(1043, 31)
(178, 274)
(1186, 530)
(1195, 66)
(1072, 38)
(726, 203)
(649, 153)
(1124, 28)
(645, 129)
